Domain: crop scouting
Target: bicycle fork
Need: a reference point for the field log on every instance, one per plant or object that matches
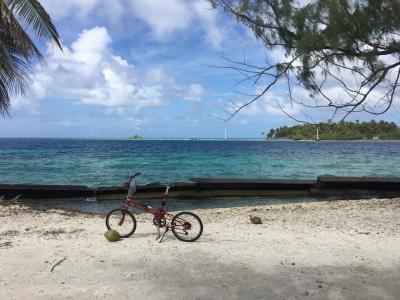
(124, 210)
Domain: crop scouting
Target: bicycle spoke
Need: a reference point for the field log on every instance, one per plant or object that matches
(187, 226)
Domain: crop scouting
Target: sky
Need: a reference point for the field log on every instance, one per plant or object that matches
(148, 68)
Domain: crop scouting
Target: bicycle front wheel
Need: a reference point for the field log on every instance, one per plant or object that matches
(125, 225)
(187, 226)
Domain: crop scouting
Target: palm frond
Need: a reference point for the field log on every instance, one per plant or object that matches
(36, 17)
(4, 98)
(15, 38)
(17, 50)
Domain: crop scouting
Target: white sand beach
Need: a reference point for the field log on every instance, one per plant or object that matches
(320, 250)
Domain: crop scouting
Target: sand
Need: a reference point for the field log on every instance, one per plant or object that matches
(321, 250)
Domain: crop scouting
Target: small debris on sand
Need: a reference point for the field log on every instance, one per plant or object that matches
(255, 220)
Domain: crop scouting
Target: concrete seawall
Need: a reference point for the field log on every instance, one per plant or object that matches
(212, 187)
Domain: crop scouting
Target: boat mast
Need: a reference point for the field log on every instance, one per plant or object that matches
(317, 134)
(225, 135)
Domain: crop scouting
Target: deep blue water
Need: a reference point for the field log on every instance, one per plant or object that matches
(108, 162)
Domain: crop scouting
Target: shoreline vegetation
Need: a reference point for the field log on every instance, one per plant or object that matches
(135, 137)
(341, 131)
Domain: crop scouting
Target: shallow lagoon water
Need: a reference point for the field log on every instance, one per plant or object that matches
(108, 162)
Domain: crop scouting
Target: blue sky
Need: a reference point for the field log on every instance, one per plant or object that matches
(142, 67)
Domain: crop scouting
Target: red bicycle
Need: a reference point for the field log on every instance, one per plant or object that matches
(186, 226)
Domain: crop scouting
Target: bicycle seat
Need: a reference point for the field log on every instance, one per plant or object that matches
(130, 184)
(132, 188)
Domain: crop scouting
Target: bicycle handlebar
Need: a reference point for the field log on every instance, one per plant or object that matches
(131, 185)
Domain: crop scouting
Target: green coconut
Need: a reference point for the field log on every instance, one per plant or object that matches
(112, 235)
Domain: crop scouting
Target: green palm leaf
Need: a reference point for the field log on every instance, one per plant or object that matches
(34, 15)
(17, 50)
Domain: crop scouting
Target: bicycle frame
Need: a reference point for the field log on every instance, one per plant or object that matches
(180, 224)
(158, 213)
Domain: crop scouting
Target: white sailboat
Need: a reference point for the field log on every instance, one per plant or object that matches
(226, 138)
(317, 134)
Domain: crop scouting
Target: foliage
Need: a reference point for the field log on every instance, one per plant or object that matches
(339, 131)
(19, 18)
(136, 137)
(350, 44)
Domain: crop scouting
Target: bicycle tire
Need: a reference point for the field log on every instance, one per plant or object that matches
(128, 214)
(180, 217)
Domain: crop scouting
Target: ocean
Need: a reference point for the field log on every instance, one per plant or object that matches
(109, 162)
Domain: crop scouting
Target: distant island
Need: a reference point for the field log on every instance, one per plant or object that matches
(338, 131)
(135, 137)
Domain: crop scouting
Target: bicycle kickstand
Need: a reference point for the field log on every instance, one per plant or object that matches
(158, 232)
(166, 229)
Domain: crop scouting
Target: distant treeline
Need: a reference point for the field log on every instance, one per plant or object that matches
(135, 137)
(339, 131)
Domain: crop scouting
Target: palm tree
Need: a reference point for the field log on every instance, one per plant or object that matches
(19, 19)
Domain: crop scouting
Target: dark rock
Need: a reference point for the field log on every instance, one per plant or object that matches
(255, 220)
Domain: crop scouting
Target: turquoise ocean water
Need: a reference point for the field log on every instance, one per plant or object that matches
(108, 162)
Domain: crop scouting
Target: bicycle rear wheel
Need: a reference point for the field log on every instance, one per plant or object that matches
(187, 226)
(125, 225)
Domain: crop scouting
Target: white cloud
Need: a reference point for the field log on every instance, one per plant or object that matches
(121, 61)
(270, 104)
(91, 47)
(164, 17)
(119, 91)
(278, 54)
(208, 19)
(282, 109)
(334, 88)
(159, 76)
(89, 73)
(59, 9)
(195, 92)
(24, 104)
